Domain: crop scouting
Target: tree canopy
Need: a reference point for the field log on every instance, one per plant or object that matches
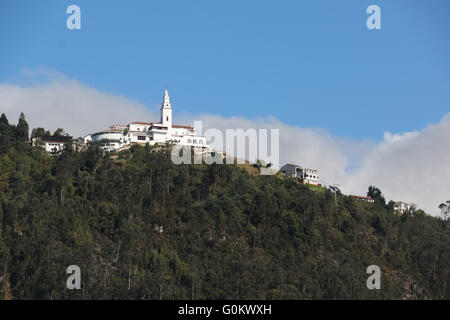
(140, 227)
(376, 195)
(22, 129)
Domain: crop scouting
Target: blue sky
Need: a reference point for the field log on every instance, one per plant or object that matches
(307, 63)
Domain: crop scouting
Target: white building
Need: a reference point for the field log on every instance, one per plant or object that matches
(119, 136)
(402, 206)
(52, 144)
(363, 198)
(307, 176)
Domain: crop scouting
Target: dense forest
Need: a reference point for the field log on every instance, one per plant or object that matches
(140, 227)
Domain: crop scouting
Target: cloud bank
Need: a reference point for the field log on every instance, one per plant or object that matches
(412, 166)
(68, 104)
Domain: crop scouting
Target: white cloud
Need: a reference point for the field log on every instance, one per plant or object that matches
(412, 166)
(65, 103)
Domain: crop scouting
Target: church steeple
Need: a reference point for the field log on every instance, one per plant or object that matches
(166, 101)
(166, 110)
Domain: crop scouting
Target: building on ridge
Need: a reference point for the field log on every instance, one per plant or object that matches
(363, 198)
(402, 207)
(52, 144)
(305, 176)
(138, 132)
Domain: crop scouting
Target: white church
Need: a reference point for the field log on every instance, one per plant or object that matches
(122, 136)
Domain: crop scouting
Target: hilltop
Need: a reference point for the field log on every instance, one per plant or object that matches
(140, 227)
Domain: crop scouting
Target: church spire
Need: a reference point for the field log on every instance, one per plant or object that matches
(166, 101)
(166, 110)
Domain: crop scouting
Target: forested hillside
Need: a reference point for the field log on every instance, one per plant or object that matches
(140, 227)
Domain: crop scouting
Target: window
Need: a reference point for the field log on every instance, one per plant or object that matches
(195, 141)
(141, 138)
(189, 141)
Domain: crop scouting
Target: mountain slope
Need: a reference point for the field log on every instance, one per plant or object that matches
(140, 227)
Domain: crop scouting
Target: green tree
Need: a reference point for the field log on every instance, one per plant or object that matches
(22, 129)
(6, 131)
(39, 132)
(60, 133)
(4, 125)
(376, 195)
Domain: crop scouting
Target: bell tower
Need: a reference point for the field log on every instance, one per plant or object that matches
(166, 110)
